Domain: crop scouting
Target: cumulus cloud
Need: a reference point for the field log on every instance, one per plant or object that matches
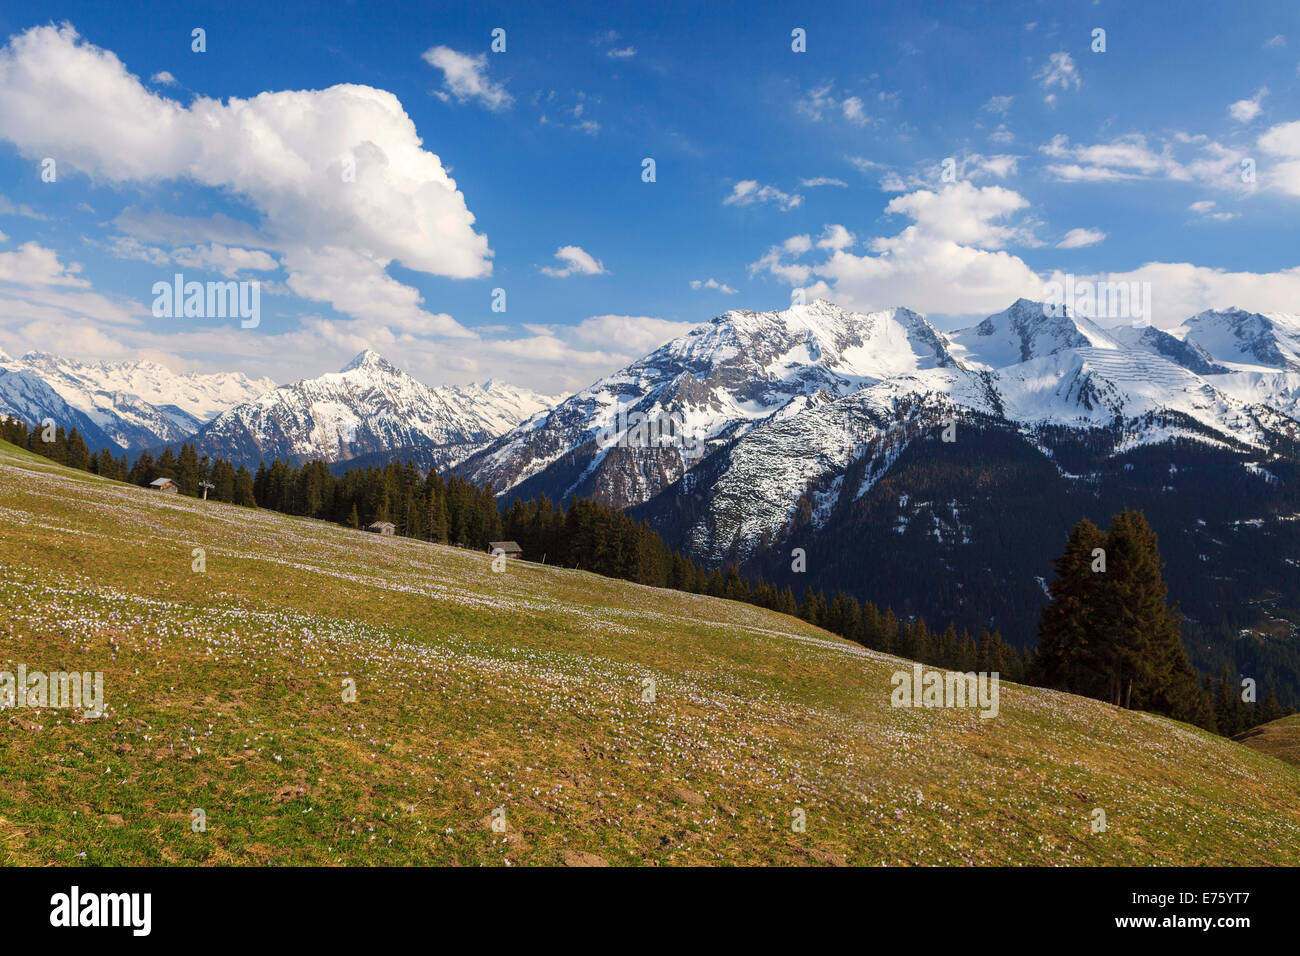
(464, 78)
(321, 168)
(1282, 144)
(577, 261)
(712, 283)
(998, 104)
(1179, 290)
(836, 237)
(1081, 238)
(747, 192)
(964, 213)
(945, 263)
(33, 264)
(163, 78)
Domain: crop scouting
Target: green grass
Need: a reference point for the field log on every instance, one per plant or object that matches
(523, 690)
(1277, 738)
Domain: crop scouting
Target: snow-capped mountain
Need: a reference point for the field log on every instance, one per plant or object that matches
(1246, 341)
(1026, 331)
(130, 405)
(783, 402)
(369, 407)
(704, 389)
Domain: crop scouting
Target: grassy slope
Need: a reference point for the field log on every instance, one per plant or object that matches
(1278, 738)
(523, 690)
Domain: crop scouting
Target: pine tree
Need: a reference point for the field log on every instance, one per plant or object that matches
(1068, 633)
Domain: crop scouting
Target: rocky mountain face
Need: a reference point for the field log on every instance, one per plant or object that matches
(793, 397)
(629, 435)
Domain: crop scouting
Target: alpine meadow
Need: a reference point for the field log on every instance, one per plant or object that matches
(514, 435)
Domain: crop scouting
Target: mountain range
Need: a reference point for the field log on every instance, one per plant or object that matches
(119, 405)
(937, 472)
(369, 409)
(940, 472)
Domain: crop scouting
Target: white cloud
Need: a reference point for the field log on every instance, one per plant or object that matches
(940, 263)
(577, 261)
(998, 104)
(821, 181)
(1002, 136)
(1132, 158)
(465, 78)
(1276, 43)
(622, 54)
(1179, 290)
(1081, 238)
(712, 283)
(1243, 111)
(281, 153)
(33, 264)
(1282, 144)
(836, 237)
(821, 101)
(163, 78)
(854, 112)
(1061, 72)
(935, 266)
(963, 213)
(748, 191)
(1206, 208)
(230, 261)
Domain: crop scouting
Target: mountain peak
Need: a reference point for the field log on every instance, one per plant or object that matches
(369, 359)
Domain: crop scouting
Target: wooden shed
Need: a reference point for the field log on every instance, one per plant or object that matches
(165, 485)
(382, 527)
(509, 548)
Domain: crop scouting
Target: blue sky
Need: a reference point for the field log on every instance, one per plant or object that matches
(820, 170)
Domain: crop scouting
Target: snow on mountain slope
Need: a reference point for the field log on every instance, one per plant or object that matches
(755, 486)
(1246, 341)
(786, 402)
(1089, 387)
(753, 490)
(712, 384)
(367, 407)
(1159, 342)
(1027, 330)
(26, 396)
(137, 404)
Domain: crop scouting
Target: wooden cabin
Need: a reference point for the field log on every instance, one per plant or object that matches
(509, 548)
